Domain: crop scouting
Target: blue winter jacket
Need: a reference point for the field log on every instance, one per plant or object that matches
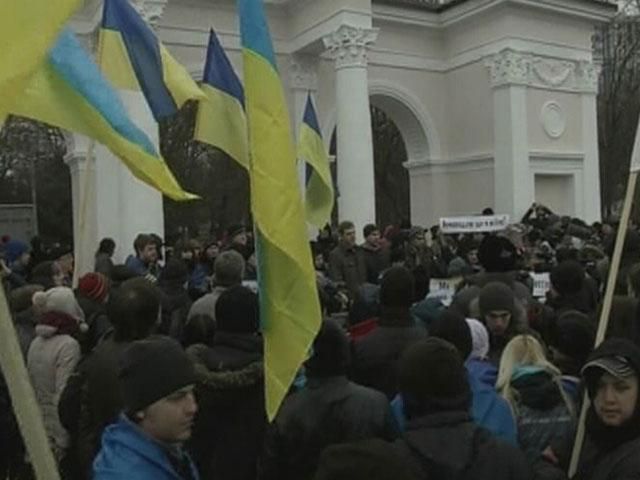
(128, 453)
(488, 410)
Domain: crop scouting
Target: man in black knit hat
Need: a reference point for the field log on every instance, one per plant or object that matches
(441, 439)
(157, 380)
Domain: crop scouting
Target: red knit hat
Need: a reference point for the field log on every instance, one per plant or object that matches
(94, 286)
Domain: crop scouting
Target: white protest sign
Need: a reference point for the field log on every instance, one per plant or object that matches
(480, 223)
(443, 289)
(541, 284)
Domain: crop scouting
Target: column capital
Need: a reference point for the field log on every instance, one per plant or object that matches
(348, 45)
(79, 151)
(150, 10)
(303, 72)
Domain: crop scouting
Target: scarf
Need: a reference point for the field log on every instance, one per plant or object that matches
(65, 324)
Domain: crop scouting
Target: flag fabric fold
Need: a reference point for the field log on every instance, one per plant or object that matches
(27, 31)
(69, 92)
(132, 58)
(289, 306)
(319, 193)
(221, 119)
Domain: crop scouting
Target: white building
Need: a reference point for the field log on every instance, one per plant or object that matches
(495, 100)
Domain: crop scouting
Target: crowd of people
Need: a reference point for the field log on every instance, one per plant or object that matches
(154, 368)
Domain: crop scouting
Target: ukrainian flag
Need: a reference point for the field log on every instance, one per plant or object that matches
(289, 306)
(69, 91)
(319, 194)
(132, 58)
(221, 120)
(27, 31)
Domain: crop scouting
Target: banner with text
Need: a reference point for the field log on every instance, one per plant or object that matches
(476, 224)
(444, 289)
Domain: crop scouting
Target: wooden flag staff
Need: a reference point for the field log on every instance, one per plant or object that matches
(608, 299)
(23, 398)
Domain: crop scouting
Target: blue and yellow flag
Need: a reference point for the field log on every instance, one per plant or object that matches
(319, 192)
(289, 306)
(221, 120)
(132, 58)
(69, 91)
(27, 32)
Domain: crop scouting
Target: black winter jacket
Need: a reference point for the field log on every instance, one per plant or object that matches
(325, 412)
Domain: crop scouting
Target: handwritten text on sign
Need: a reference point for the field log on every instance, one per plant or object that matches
(444, 289)
(484, 223)
(541, 284)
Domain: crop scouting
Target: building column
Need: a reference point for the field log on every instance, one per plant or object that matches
(588, 74)
(513, 182)
(81, 162)
(356, 179)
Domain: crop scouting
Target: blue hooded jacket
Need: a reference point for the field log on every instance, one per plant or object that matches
(128, 453)
(488, 410)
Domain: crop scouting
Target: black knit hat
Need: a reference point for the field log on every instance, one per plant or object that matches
(573, 335)
(567, 278)
(151, 369)
(369, 229)
(237, 311)
(496, 296)
(452, 327)
(497, 254)
(331, 354)
(396, 289)
(432, 378)
(372, 459)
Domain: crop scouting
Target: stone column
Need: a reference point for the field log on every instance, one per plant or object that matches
(587, 81)
(356, 180)
(513, 182)
(81, 163)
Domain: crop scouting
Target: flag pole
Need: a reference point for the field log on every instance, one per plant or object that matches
(608, 300)
(23, 398)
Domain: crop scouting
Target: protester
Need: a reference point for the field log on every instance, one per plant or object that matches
(488, 409)
(92, 399)
(346, 262)
(376, 353)
(441, 440)
(62, 254)
(176, 302)
(570, 290)
(228, 272)
(229, 427)
(144, 262)
(328, 410)
(498, 311)
(92, 295)
(52, 357)
(532, 386)
(612, 443)
(17, 258)
(47, 274)
(376, 258)
(104, 262)
(157, 380)
(24, 316)
(238, 240)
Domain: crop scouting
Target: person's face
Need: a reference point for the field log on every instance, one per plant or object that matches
(472, 257)
(318, 260)
(373, 238)
(498, 321)
(149, 253)
(418, 240)
(240, 239)
(58, 275)
(212, 251)
(616, 399)
(170, 419)
(349, 236)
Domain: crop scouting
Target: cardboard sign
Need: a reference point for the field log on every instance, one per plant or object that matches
(481, 223)
(541, 284)
(443, 289)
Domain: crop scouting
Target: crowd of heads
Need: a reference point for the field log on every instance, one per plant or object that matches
(169, 343)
